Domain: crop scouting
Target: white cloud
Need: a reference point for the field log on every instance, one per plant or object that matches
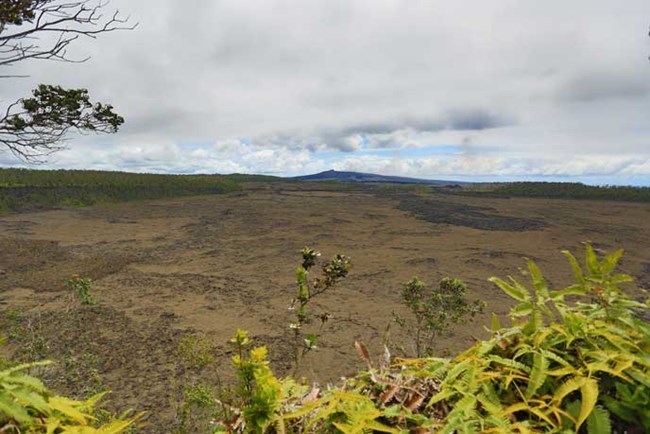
(280, 86)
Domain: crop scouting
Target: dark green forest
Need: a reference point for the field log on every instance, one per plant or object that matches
(25, 189)
(564, 190)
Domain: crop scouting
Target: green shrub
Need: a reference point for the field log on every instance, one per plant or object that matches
(573, 360)
(559, 364)
(196, 351)
(197, 404)
(80, 289)
(435, 312)
(26, 332)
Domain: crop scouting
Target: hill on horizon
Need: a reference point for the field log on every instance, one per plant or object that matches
(334, 175)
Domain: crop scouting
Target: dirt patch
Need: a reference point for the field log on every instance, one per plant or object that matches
(216, 263)
(644, 276)
(46, 265)
(484, 218)
(136, 351)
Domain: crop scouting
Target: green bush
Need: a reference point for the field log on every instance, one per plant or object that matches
(26, 406)
(573, 360)
(435, 311)
(80, 288)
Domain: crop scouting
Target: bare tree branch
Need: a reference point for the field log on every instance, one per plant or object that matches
(33, 128)
(20, 28)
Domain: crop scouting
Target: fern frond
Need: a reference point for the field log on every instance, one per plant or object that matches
(514, 290)
(577, 269)
(539, 282)
(589, 392)
(573, 384)
(513, 364)
(538, 374)
(599, 421)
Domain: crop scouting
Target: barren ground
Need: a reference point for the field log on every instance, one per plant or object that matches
(209, 265)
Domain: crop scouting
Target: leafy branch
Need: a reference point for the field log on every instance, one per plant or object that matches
(331, 273)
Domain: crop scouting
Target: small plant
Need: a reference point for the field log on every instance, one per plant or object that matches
(80, 372)
(259, 390)
(198, 404)
(332, 272)
(26, 332)
(195, 351)
(198, 409)
(80, 289)
(435, 312)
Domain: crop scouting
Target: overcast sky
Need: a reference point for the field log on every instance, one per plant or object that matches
(474, 90)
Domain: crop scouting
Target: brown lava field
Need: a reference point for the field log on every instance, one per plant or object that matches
(210, 264)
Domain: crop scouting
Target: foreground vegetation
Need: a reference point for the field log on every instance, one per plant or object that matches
(561, 190)
(562, 366)
(23, 189)
(573, 360)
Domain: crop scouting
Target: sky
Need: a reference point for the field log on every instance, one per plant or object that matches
(475, 90)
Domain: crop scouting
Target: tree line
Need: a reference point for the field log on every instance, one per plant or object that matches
(24, 189)
(566, 190)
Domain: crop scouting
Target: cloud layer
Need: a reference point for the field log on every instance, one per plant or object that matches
(466, 89)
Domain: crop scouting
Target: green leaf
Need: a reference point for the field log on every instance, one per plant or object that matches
(538, 280)
(611, 261)
(493, 408)
(599, 421)
(508, 363)
(68, 407)
(589, 391)
(32, 399)
(574, 383)
(9, 408)
(377, 426)
(457, 370)
(522, 309)
(591, 260)
(577, 270)
(571, 290)
(551, 355)
(516, 290)
(9, 371)
(440, 396)
(26, 380)
(621, 278)
(538, 374)
(496, 324)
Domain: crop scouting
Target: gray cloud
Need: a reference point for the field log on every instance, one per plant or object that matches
(469, 120)
(599, 86)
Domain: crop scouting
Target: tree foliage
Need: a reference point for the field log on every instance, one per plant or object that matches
(562, 190)
(34, 127)
(23, 189)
